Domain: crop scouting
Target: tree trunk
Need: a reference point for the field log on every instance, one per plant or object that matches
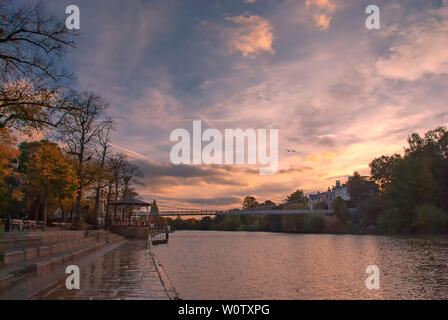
(97, 202)
(80, 187)
(45, 209)
(107, 206)
(64, 218)
(36, 213)
(116, 196)
(71, 212)
(78, 206)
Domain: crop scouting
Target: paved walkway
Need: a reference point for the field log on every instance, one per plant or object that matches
(127, 272)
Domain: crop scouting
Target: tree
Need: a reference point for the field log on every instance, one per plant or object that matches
(101, 172)
(296, 197)
(130, 175)
(430, 219)
(381, 170)
(49, 172)
(232, 222)
(340, 209)
(206, 223)
(314, 223)
(360, 188)
(268, 204)
(115, 164)
(7, 153)
(154, 208)
(25, 107)
(420, 177)
(413, 187)
(80, 131)
(250, 202)
(31, 42)
(292, 223)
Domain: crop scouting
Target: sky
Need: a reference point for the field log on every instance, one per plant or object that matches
(339, 94)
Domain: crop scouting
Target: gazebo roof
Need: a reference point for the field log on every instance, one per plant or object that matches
(132, 202)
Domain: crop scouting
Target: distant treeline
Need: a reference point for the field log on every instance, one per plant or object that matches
(404, 194)
(314, 223)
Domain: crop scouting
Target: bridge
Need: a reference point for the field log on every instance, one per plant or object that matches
(199, 212)
(176, 211)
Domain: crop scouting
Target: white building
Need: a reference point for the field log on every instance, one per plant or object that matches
(332, 193)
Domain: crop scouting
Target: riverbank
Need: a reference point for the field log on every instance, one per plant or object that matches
(304, 224)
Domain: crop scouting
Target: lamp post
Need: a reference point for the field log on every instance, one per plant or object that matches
(14, 165)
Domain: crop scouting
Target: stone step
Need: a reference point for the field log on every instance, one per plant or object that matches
(16, 256)
(21, 240)
(10, 274)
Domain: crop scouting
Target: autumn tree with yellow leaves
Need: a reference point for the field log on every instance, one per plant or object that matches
(7, 153)
(48, 173)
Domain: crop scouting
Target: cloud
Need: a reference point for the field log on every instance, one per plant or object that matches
(161, 175)
(293, 170)
(253, 35)
(422, 49)
(128, 153)
(215, 201)
(105, 46)
(321, 4)
(153, 169)
(333, 97)
(322, 21)
(322, 10)
(322, 157)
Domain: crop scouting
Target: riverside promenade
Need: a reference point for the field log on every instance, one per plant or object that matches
(33, 266)
(129, 272)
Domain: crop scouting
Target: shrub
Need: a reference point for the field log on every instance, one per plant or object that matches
(334, 225)
(314, 223)
(370, 209)
(340, 209)
(391, 221)
(254, 226)
(430, 219)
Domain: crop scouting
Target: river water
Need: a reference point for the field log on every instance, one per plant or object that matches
(262, 265)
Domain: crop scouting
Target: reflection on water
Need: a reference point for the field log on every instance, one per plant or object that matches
(259, 265)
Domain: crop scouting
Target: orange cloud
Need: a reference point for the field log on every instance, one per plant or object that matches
(322, 21)
(253, 36)
(322, 10)
(322, 4)
(319, 157)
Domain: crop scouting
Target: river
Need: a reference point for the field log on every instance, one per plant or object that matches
(262, 265)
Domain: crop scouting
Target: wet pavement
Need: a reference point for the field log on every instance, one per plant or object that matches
(127, 272)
